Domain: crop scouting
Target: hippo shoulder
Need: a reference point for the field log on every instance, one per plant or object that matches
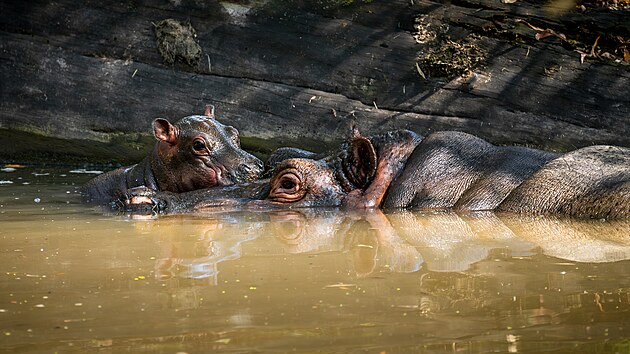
(107, 186)
(589, 182)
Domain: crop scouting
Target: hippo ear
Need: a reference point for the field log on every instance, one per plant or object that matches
(165, 131)
(360, 162)
(209, 111)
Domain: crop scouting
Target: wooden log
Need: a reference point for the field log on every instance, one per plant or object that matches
(289, 76)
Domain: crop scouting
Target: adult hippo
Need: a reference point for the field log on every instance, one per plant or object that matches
(446, 170)
(196, 152)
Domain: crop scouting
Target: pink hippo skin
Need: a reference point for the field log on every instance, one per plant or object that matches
(196, 152)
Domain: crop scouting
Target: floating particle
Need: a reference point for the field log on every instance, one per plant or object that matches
(84, 171)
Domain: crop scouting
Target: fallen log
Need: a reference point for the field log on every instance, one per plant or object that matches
(290, 74)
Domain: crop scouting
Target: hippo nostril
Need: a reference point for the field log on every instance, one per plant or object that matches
(248, 172)
(259, 166)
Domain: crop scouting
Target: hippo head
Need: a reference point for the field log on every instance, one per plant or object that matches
(303, 182)
(200, 152)
(357, 177)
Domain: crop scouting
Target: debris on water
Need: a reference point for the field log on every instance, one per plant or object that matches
(8, 169)
(83, 170)
(364, 246)
(37, 200)
(510, 338)
(6, 182)
(341, 286)
(40, 174)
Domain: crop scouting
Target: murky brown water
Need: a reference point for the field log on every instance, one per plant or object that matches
(75, 280)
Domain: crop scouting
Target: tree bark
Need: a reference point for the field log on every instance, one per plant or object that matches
(284, 74)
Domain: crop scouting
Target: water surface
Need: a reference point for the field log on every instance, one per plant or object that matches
(76, 279)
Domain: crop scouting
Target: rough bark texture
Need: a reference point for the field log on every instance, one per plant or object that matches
(285, 73)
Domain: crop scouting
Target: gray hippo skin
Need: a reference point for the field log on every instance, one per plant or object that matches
(446, 170)
(196, 152)
(451, 170)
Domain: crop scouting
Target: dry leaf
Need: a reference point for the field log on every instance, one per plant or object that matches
(543, 34)
(582, 57)
(420, 71)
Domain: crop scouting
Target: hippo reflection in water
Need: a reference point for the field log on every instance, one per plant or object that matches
(374, 242)
(445, 170)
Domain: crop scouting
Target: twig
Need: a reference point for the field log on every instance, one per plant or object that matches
(593, 47)
(543, 33)
(420, 71)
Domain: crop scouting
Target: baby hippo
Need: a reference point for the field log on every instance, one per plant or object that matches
(196, 152)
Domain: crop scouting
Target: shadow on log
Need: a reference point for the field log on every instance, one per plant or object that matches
(286, 73)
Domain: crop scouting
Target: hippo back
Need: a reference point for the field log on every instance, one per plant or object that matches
(460, 171)
(590, 182)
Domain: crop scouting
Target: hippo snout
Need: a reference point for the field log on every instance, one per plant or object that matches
(248, 171)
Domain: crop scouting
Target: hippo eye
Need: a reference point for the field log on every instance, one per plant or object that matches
(287, 187)
(287, 184)
(199, 145)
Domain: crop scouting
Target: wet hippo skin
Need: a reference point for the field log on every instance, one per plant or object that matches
(452, 170)
(460, 171)
(445, 170)
(196, 152)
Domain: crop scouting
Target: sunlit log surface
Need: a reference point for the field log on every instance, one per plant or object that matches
(293, 74)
